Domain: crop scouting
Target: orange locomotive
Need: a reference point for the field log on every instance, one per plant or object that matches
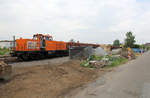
(39, 47)
(42, 46)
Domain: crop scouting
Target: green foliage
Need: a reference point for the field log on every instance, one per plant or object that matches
(130, 40)
(139, 46)
(110, 57)
(117, 62)
(143, 46)
(94, 57)
(86, 64)
(72, 40)
(4, 51)
(147, 48)
(116, 43)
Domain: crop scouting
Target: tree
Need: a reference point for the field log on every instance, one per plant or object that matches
(130, 40)
(72, 40)
(137, 46)
(116, 43)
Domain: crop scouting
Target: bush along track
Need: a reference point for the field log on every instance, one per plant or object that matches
(86, 63)
(3, 51)
(107, 61)
(116, 61)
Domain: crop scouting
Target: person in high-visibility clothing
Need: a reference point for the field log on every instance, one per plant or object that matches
(129, 53)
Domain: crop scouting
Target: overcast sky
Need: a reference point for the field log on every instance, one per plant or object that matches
(93, 21)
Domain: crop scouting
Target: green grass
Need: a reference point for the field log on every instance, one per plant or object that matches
(117, 62)
(86, 64)
(4, 51)
(94, 57)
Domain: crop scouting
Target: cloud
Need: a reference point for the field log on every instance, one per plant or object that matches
(95, 21)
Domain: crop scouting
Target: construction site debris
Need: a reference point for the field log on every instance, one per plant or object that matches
(97, 64)
(85, 52)
(125, 53)
(80, 52)
(116, 51)
(106, 47)
(5, 71)
(99, 52)
(102, 61)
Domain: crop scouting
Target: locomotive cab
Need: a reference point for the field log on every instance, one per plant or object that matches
(42, 38)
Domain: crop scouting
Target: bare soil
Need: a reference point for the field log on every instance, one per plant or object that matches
(52, 80)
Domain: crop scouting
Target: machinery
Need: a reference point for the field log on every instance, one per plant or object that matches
(41, 46)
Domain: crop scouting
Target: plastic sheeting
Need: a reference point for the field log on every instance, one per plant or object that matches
(99, 52)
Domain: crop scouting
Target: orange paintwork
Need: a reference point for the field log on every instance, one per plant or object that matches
(23, 45)
(45, 42)
(55, 45)
(34, 45)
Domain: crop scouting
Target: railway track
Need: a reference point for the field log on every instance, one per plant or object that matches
(11, 60)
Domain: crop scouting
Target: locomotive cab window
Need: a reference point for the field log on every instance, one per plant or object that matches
(35, 37)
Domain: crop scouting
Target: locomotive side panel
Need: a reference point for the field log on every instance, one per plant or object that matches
(50, 45)
(55, 46)
(61, 46)
(27, 45)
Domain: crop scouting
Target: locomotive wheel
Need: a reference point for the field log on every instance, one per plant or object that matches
(24, 57)
(42, 56)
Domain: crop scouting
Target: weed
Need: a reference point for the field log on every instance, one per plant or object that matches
(94, 57)
(85, 63)
(4, 51)
(116, 62)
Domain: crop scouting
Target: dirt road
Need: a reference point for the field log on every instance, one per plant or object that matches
(131, 80)
(51, 78)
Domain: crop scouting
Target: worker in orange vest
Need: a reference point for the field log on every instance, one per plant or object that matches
(129, 53)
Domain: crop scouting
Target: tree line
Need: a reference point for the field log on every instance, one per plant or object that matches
(128, 42)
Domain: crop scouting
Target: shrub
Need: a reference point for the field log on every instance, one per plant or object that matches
(4, 51)
(117, 61)
(85, 63)
(94, 57)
